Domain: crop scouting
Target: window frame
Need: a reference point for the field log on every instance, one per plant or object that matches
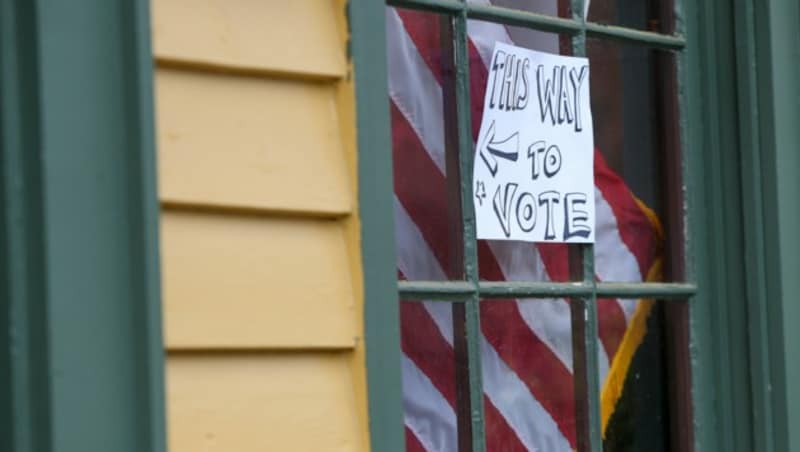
(729, 256)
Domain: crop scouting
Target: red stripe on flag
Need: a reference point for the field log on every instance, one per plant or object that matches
(612, 324)
(412, 442)
(500, 437)
(423, 343)
(423, 29)
(416, 178)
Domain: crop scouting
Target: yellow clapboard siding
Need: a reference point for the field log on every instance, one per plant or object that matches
(297, 36)
(254, 402)
(250, 143)
(232, 281)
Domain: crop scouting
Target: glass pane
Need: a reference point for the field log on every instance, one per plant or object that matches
(506, 260)
(427, 219)
(642, 378)
(651, 15)
(526, 356)
(637, 168)
(559, 8)
(431, 375)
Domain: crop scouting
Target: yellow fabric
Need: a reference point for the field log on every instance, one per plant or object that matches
(634, 334)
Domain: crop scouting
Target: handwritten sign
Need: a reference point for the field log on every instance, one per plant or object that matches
(533, 177)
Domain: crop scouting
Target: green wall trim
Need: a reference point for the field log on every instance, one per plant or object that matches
(80, 275)
(743, 138)
(777, 74)
(376, 210)
(25, 424)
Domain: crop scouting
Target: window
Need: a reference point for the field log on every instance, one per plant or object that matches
(513, 346)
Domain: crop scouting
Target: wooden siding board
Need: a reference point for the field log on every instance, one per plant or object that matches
(260, 250)
(261, 402)
(251, 143)
(247, 35)
(236, 281)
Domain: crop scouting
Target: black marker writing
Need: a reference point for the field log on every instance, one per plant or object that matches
(575, 219)
(509, 82)
(545, 157)
(502, 206)
(549, 199)
(577, 79)
(559, 95)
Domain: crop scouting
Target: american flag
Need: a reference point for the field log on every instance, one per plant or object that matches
(526, 347)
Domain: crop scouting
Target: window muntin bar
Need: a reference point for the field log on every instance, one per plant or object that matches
(543, 22)
(651, 15)
(584, 314)
(648, 38)
(460, 290)
(470, 252)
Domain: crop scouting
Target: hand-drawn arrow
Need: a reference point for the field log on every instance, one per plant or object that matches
(489, 149)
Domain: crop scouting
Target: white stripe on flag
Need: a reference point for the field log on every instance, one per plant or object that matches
(414, 258)
(614, 261)
(484, 34)
(416, 261)
(425, 410)
(533, 425)
(414, 89)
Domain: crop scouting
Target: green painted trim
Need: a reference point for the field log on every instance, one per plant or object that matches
(145, 251)
(25, 419)
(763, 435)
(381, 308)
(714, 249)
(777, 50)
(80, 225)
(742, 139)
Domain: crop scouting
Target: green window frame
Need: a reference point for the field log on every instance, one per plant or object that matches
(736, 140)
(471, 291)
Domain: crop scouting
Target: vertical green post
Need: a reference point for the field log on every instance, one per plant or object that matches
(777, 52)
(80, 220)
(381, 310)
(25, 412)
(470, 253)
(584, 314)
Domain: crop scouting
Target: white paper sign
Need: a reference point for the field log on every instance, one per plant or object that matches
(533, 178)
